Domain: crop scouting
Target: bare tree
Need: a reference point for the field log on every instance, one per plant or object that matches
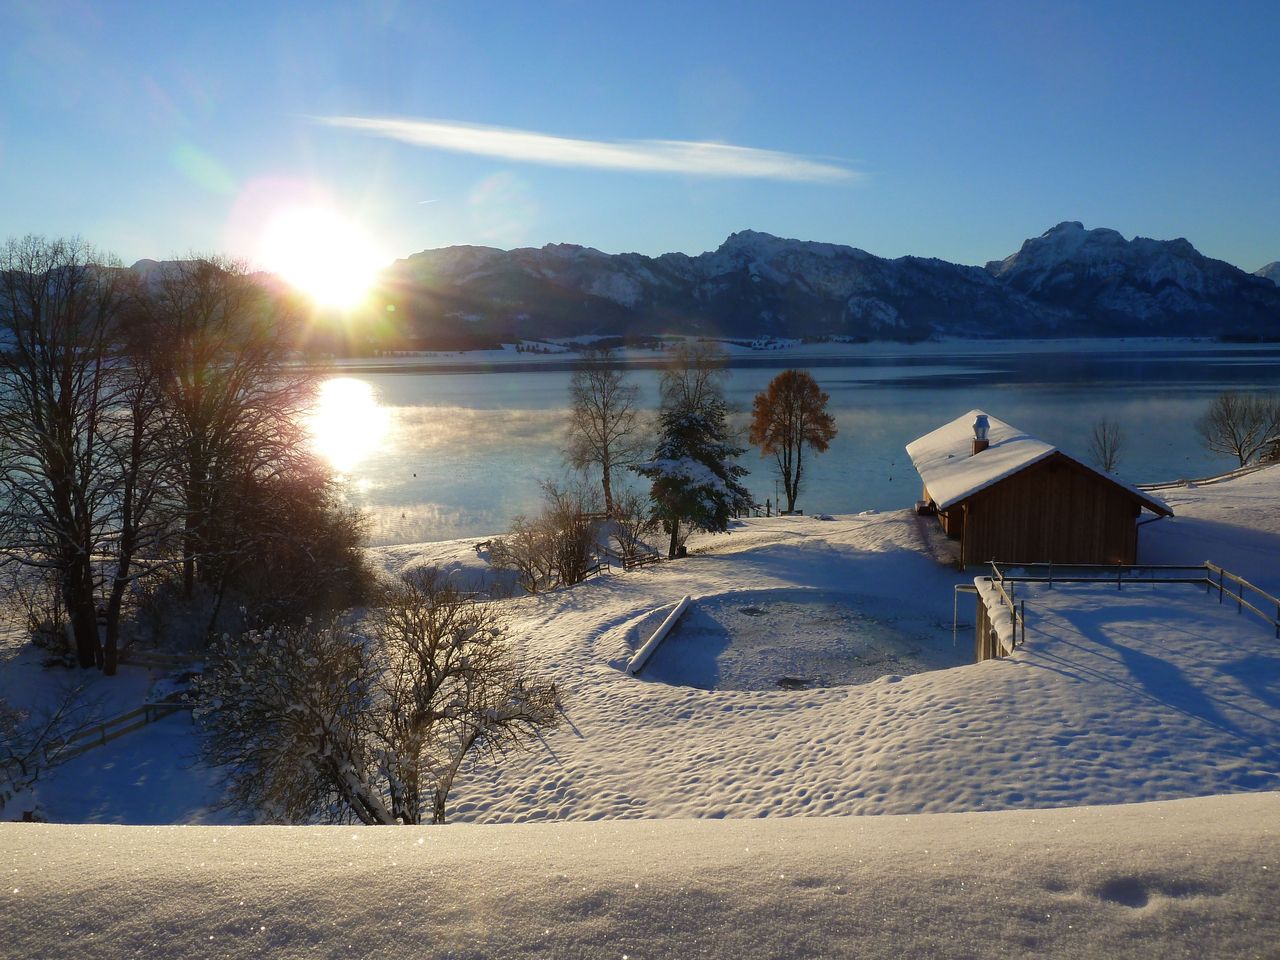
(527, 552)
(605, 425)
(450, 690)
(787, 416)
(144, 465)
(284, 711)
(328, 722)
(1242, 425)
(694, 375)
(632, 524)
(555, 548)
(1106, 443)
(236, 408)
(58, 304)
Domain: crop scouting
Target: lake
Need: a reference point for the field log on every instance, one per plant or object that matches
(439, 455)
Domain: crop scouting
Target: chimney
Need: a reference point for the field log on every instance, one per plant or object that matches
(980, 428)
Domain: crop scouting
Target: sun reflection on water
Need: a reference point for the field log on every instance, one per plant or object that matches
(347, 423)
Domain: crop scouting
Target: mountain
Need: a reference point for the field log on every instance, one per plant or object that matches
(1271, 271)
(1068, 282)
(1138, 286)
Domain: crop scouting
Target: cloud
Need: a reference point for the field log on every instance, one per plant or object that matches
(689, 157)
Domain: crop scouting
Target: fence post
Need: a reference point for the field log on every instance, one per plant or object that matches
(1240, 597)
(1119, 570)
(1023, 617)
(1220, 573)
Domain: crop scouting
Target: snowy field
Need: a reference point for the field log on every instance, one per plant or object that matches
(1150, 694)
(1186, 879)
(798, 639)
(1145, 695)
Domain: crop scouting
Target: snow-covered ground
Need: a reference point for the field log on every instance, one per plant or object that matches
(1237, 520)
(1118, 697)
(1186, 879)
(1152, 693)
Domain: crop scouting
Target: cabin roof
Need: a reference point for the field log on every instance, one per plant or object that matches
(951, 475)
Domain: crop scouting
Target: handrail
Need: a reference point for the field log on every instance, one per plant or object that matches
(1019, 615)
(1205, 573)
(1241, 603)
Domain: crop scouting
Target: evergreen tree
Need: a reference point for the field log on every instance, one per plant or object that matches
(694, 480)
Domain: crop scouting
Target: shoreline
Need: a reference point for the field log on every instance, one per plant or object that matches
(784, 354)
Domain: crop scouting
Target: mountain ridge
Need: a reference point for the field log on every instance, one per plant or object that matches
(1069, 281)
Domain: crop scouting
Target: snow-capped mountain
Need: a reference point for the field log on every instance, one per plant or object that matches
(1069, 281)
(1271, 272)
(1137, 286)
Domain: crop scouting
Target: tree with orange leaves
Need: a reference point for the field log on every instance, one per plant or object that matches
(787, 416)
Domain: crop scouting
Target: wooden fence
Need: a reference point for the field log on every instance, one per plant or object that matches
(1205, 481)
(99, 734)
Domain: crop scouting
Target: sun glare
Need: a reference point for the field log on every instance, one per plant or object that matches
(347, 423)
(321, 253)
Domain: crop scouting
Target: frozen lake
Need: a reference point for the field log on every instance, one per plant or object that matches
(434, 456)
(799, 639)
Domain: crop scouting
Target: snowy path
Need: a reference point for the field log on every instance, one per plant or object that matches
(1186, 879)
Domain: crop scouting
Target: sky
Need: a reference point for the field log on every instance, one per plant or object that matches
(953, 130)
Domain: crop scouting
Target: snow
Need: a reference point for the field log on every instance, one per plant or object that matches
(647, 649)
(952, 472)
(793, 639)
(1191, 878)
(735, 811)
(1235, 523)
(142, 778)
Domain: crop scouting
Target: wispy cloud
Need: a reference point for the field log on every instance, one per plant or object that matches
(688, 157)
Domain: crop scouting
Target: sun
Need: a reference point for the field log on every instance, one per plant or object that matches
(321, 253)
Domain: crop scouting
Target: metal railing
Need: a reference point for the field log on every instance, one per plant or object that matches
(1017, 610)
(1246, 595)
(1255, 594)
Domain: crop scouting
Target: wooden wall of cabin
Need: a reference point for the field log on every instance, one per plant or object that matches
(1053, 511)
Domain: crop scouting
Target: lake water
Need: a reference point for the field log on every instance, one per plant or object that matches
(434, 456)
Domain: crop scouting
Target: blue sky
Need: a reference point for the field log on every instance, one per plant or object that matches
(952, 130)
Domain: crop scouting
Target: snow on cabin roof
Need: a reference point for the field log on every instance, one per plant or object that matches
(951, 474)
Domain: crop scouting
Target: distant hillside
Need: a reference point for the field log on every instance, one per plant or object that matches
(1271, 271)
(1139, 286)
(1068, 282)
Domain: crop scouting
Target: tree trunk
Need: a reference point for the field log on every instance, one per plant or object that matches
(793, 489)
(608, 489)
(675, 540)
(111, 646)
(77, 597)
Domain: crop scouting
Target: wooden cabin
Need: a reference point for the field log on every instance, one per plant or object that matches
(1008, 496)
